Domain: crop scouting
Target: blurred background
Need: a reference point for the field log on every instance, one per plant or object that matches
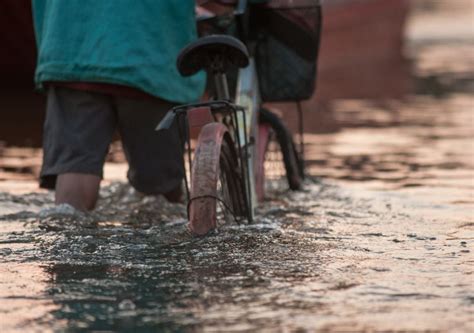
(362, 44)
(387, 67)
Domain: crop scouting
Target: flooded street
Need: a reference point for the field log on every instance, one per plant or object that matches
(381, 239)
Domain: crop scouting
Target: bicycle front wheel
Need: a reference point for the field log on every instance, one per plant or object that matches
(294, 165)
(217, 186)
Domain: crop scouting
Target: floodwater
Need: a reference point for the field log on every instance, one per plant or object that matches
(381, 239)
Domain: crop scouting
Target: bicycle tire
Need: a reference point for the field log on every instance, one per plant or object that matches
(264, 137)
(294, 165)
(215, 167)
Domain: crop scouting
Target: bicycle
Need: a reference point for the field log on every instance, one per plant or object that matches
(233, 133)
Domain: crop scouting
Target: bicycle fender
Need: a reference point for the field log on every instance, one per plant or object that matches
(204, 180)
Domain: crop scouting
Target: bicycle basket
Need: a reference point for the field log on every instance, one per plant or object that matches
(288, 36)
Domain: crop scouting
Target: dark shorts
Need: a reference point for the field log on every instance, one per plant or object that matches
(79, 128)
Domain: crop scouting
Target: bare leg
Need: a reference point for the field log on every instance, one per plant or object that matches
(79, 190)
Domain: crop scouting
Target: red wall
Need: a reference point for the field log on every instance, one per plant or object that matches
(361, 57)
(17, 58)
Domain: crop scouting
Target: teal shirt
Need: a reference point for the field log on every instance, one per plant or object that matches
(127, 42)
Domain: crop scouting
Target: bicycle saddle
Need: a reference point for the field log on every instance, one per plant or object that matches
(215, 54)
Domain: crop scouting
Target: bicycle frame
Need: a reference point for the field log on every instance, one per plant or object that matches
(232, 134)
(240, 118)
(248, 96)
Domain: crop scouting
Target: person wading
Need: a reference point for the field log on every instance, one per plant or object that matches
(109, 65)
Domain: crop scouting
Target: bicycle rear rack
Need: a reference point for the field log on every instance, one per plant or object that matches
(181, 115)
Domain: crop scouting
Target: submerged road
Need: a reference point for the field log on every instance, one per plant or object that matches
(381, 239)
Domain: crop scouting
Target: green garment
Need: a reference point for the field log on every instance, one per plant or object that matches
(127, 42)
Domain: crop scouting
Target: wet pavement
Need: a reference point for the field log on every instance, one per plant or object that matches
(381, 239)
